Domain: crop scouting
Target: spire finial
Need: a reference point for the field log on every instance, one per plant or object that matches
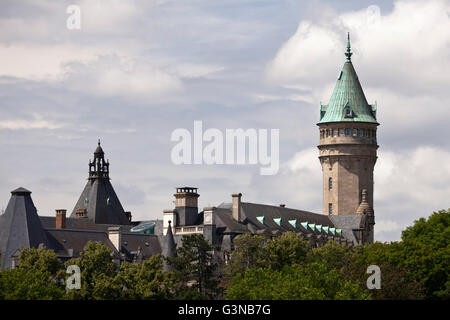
(99, 142)
(348, 54)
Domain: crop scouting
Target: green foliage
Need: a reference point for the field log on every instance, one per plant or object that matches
(426, 253)
(38, 276)
(97, 273)
(195, 268)
(288, 249)
(145, 280)
(249, 252)
(307, 282)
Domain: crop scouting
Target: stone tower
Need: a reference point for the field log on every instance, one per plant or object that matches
(348, 147)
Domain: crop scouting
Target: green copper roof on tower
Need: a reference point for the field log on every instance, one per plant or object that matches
(348, 102)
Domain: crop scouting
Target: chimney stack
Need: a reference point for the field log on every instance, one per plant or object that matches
(186, 205)
(236, 207)
(128, 214)
(115, 236)
(282, 205)
(209, 224)
(61, 218)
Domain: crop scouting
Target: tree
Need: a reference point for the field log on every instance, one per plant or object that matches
(145, 280)
(38, 276)
(97, 273)
(426, 253)
(306, 282)
(195, 268)
(249, 252)
(287, 250)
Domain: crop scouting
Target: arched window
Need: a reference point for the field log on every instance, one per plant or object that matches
(330, 183)
(341, 132)
(335, 133)
(361, 133)
(347, 132)
(330, 209)
(355, 132)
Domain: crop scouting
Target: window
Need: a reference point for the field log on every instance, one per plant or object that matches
(355, 132)
(330, 183)
(348, 112)
(347, 132)
(341, 132)
(361, 133)
(367, 133)
(335, 133)
(330, 209)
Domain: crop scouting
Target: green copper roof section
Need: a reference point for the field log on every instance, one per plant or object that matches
(348, 102)
(277, 221)
(333, 230)
(339, 232)
(312, 226)
(293, 223)
(260, 219)
(325, 229)
(304, 224)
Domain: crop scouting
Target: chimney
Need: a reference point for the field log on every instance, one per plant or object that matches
(115, 236)
(81, 213)
(282, 205)
(186, 205)
(61, 218)
(128, 214)
(236, 206)
(209, 224)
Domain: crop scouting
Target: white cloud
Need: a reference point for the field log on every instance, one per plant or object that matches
(40, 62)
(407, 49)
(21, 124)
(386, 226)
(121, 76)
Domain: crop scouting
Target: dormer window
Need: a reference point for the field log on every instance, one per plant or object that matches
(348, 111)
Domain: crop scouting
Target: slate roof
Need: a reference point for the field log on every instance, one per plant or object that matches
(252, 210)
(144, 245)
(348, 91)
(72, 242)
(103, 205)
(20, 226)
(83, 224)
(347, 223)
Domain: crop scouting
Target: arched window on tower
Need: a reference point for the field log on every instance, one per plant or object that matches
(330, 183)
(330, 209)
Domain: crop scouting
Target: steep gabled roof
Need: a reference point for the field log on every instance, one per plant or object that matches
(20, 226)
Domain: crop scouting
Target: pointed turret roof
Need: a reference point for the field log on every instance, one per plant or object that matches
(168, 247)
(348, 102)
(98, 197)
(20, 226)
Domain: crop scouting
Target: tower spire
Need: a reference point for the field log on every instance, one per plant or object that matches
(348, 54)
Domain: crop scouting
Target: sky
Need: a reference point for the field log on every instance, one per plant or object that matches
(138, 70)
